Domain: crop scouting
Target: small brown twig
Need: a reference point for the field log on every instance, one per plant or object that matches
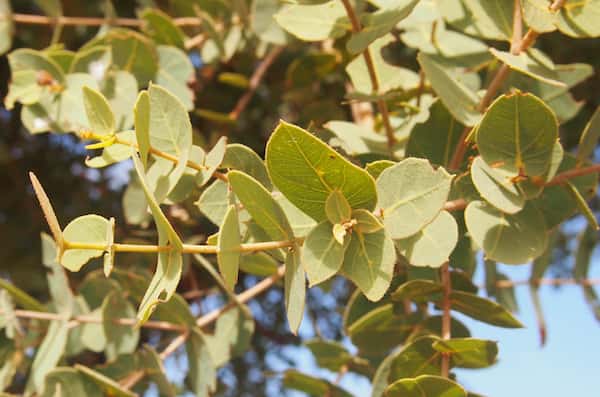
(255, 80)
(381, 104)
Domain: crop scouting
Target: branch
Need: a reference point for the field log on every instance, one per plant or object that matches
(93, 21)
(255, 80)
(243, 297)
(518, 45)
(381, 104)
(574, 173)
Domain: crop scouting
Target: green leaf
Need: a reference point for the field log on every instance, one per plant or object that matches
(483, 310)
(436, 138)
(411, 194)
(120, 88)
(578, 18)
(265, 211)
(376, 167)
(329, 354)
(337, 208)
(378, 24)
(58, 283)
(459, 99)
(242, 158)
(211, 161)
(589, 137)
(161, 28)
(175, 71)
(538, 16)
(9, 321)
(87, 229)
(21, 297)
(168, 270)
(369, 263)
(322, 254)
(6, 26)
(232, 336)
(120, 339)
(459, 48)
(109, 256)
(555, 203)
(582, 205)
(202, 374)
(95, 61)
(390, 77)
(229, 247)
(100, 116)
(469, 352)
(92, 334)
(512, 239)
(294, 289)
(366, 222)
(418, 289)
(425, 386)
(559, 99)
(170, 131)
(259, 264)
(23, 88)
(64, 381)
(108, 386)
(432, 245)
(132, 52)
(312, 386)
(114, 153)
(527, 64)
(496, 187)
(28, 59)
(263, 23)
(64, 58)
(357, 140)
(213, 201)
(489, 19)
(414, 359)
(306, 171)
(142, 125)
(530, 130)
(314, 22)
(48, 354)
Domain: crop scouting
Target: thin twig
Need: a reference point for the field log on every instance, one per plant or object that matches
(243, 297)
(381, 104)
(574, 173)
(93, 21)
(159, 325)
(174, 345)
(255, 80)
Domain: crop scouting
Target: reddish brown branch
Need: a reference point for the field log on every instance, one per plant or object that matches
(255, 80)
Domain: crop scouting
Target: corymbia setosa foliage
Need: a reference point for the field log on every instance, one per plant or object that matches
(415, 139)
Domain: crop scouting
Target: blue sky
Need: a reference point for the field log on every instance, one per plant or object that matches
(568, 365)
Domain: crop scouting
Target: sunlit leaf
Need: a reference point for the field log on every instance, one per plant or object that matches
(512, 239)
(306, 171)
(411, 194)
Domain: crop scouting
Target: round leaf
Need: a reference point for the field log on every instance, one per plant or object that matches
(87, 229)
(512, 239)
(517, 135)
(411, 194)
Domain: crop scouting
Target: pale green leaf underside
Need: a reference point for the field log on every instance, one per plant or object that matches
(511, 239)
(433, 244)
(411, 194)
